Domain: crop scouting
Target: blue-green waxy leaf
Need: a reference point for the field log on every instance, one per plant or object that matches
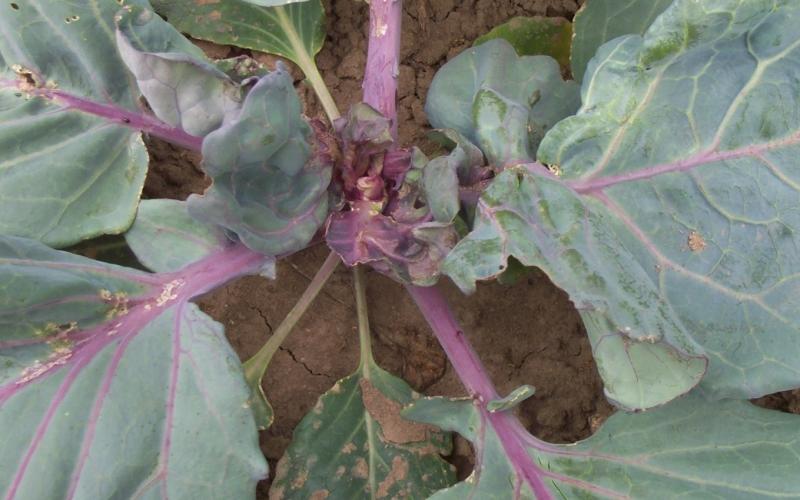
(181, 87)
(599, 21)
(672, 218)
(109, 376)
(355, 444)
(440, 183)
(501, 102)
(690, 448)
(65, 175)
(294, 30)
(270, 170)
(444, 177)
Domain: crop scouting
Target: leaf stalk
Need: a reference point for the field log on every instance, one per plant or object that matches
(255, 367)
(473, 375)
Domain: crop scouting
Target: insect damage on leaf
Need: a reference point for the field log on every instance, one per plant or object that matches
(27, 80)
(696, 242)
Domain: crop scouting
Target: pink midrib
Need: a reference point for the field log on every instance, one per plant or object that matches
(199, 277)
(710, 155)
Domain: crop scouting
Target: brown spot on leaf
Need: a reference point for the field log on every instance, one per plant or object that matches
(282, 469)
(349, 448)
(319, 495)
(395, 428)
(361, 469)
(300, 480)
(206, 2)
(340, 471)
(398, 472)
(696, 242)
(214, 15)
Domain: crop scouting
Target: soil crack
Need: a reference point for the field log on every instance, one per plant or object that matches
(263, 318)
(301, 363)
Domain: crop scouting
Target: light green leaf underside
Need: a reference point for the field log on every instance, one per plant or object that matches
(532, 36)
(690, 448)
(294, 31)
(599, 21)
(65, 176)
(675, 221)
(354, 444)
(116, 403)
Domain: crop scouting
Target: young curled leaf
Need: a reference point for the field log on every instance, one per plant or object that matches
(408, 252)
(181, 87)
(271, 169)
(401, 207)
(499, 101)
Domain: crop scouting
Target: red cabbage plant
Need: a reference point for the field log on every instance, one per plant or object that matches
(659, 189)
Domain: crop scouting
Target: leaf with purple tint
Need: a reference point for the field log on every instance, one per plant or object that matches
(72, 163)
(672, 218)
(501, 102)
(108, 376)
(182, 88)
(690, 448)
(408, 252)
(390, 225)
(271, 171)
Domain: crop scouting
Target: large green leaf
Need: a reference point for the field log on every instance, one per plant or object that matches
(501, 102)
(599, 21)
(673, 220)
(689, 449)
(65, 175)
(294, 31)
(113, 385)
(270, 169)
(355, 444)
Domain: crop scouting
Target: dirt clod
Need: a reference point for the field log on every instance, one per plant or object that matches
(386, 412)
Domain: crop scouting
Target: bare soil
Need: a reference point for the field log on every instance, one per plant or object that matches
(529, 333)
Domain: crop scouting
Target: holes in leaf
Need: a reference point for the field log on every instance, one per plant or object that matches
(14, 6)
(71, 19)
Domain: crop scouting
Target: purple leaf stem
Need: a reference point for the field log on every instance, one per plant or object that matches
(474, 377)
(116, 114)
(383, 58)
